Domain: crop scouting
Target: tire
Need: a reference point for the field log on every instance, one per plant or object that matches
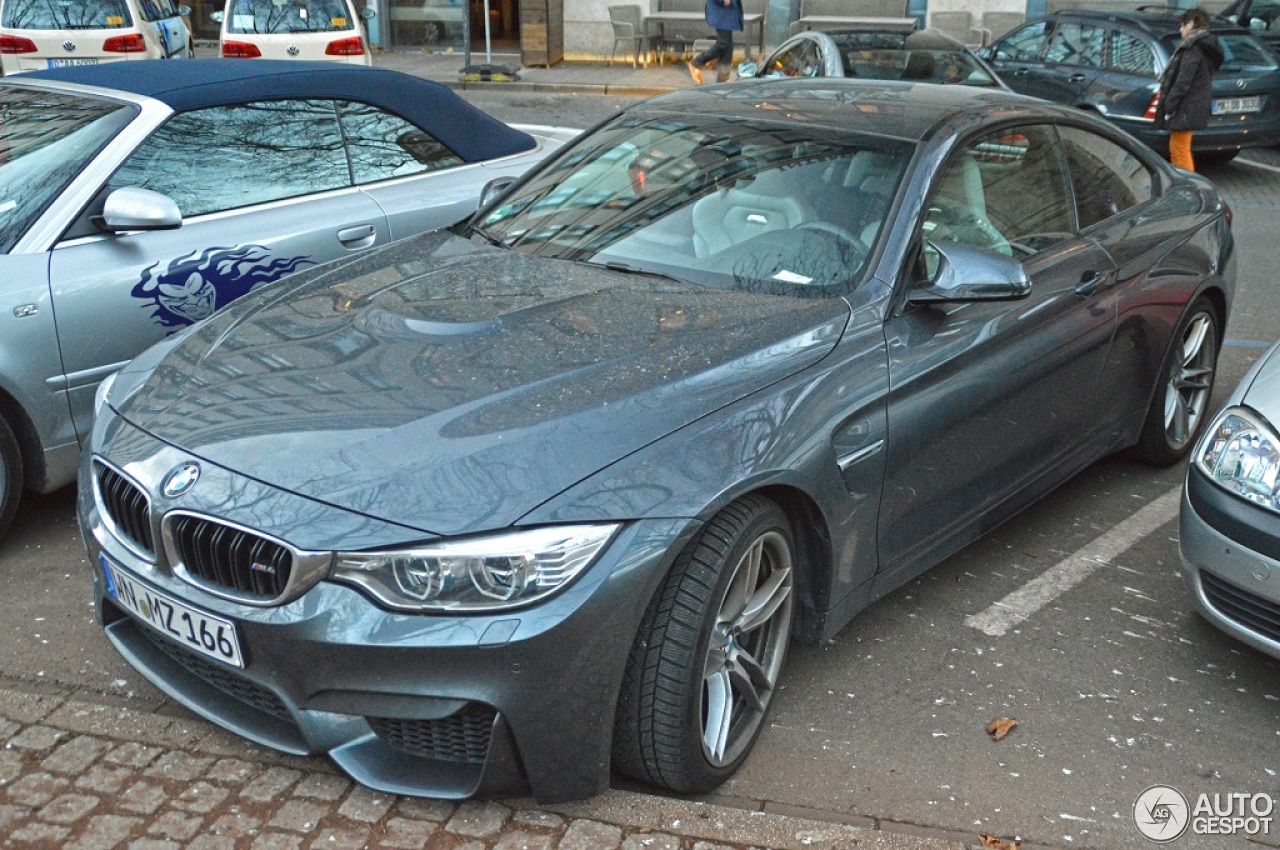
(1213, 159)
(1180, 405)
(10, 475)
(710, 648)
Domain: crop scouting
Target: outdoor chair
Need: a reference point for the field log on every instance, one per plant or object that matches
(628, 26)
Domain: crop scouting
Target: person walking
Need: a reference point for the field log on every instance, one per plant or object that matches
(725, 17)
(1186, 93)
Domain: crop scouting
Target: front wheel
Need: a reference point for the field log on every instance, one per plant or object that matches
(10, 475)
(1181, 402)
(706, 661)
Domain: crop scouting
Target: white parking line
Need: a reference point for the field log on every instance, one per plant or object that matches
(1074, 568)
(1264, 166)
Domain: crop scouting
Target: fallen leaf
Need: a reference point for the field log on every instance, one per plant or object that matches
(997, 729)
(990, 842)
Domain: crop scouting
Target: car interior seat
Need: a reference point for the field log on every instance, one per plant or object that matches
(733, 215)
(919, 68)
(872, 177)
(959, 201)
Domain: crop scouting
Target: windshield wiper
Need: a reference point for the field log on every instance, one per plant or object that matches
(626, 268)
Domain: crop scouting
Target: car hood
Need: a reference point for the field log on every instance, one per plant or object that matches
(1260, 390)
(452, 387)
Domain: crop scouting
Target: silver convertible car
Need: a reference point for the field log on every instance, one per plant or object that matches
(491, 509)
(1230, 521)
(139, 197)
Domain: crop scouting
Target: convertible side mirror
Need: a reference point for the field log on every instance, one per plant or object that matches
(968, 273)
(131, 208)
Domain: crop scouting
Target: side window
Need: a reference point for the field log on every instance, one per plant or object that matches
(1076, 44)
(1006, 191)
(1131, 55)
(1107, 178)
(228, 157)
(803, 60)
(382, 145)
(1024, 45)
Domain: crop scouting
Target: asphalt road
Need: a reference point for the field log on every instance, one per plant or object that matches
(1115, 684)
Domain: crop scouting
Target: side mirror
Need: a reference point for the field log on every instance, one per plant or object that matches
(184, 11)
(1257, 24)
(494, 189)
(748, 68)
(368, 14)
(131, 208)
(216, 17)
(968, 273)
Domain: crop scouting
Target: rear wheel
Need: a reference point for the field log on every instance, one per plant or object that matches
(710, 649)
(1181, 401)
(10, 475)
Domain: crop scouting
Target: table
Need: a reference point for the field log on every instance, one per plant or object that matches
(831, 22)
(654, 20)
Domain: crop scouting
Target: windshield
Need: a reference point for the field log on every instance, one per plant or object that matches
(914, 57)
(45, 141)
(65, 15)
(268, 16)
(735, 204)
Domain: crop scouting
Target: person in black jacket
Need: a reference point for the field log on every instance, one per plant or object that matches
(1186, 94)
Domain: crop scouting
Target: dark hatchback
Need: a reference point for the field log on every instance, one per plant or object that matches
(1110, 62)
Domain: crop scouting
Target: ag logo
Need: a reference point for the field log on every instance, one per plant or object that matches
(180, 479)
(1161, 813)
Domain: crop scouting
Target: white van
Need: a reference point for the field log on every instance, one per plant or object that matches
(324, 30)
(40, 34)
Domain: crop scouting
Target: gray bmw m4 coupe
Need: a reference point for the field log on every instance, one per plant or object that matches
(493, 510)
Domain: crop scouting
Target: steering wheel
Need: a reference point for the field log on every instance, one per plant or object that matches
(835, 230)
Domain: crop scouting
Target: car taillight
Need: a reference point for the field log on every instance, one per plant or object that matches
(240, 50)
(345, 47)
(133, 43)
(1227, 213)
(1150, 114)
(16, 44)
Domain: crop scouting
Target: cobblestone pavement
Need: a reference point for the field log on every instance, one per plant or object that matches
(78, 775)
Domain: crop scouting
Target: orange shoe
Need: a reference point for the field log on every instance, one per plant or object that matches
(696, 73)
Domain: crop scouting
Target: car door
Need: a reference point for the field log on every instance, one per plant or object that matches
(988, 397)
(1014, 56)
(264, 189)
(1072, 61)
(418, 182)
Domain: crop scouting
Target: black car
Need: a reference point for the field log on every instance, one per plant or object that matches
(1260, 17)
(485, 510)
(1110, 62)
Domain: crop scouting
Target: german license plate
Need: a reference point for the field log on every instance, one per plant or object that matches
(68, 63)
(199, 632)
(1228, 105)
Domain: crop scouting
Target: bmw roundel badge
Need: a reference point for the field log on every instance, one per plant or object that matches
(180, 479)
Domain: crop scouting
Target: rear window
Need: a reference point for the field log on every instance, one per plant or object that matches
(1240, 52)
(273, 16)
(65, 15)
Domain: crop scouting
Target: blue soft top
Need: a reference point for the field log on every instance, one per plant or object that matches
(200, 83)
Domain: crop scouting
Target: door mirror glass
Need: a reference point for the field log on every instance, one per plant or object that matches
(130, 208)
(368, 14)
(969, 273)
(216, 17)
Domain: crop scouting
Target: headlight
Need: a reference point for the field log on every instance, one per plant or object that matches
(100, 396)
(1241, 454)
(477, 574)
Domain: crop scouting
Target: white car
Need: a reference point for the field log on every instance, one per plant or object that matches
(318, 30)
(37, 34)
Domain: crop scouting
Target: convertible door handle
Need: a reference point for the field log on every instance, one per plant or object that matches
(1092, 282)
(360, 236)
(1078, 78)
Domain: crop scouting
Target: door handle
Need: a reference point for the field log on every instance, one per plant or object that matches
(1078, 78)
(360, 236)
(1020, 72)
(1092, 283)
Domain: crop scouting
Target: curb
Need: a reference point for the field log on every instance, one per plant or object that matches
(30, 711)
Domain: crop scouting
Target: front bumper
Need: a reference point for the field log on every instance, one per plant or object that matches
(428, 705)
(1231, 562)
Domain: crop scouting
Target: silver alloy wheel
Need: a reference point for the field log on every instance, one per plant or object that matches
(1191, 381)
(747, 647)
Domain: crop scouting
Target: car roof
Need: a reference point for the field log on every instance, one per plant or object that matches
(1158, 23)
(925, 39)
(199, 84)
(889, 109)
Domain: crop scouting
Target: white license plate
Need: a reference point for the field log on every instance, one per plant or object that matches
(203, 633)
(67, 63)
(1228, 105)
